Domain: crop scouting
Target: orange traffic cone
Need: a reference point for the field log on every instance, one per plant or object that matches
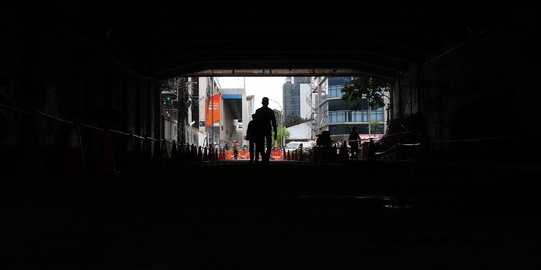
(75, 160)
(174, 154)
(164, 154)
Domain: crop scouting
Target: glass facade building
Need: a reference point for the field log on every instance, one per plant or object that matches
(291, 98)
(297, 97)
(337, 116)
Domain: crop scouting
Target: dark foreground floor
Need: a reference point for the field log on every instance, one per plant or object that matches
(286, 215)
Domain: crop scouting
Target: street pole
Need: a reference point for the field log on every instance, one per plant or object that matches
(283, 126)
(369, 120)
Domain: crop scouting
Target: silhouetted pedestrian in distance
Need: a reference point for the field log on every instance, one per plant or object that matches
(251, 137)
(301, 156)
(344, 154)
(371, 150)
(324, 143)
(265, 124)
(353, 142)
(235, 148)
(324, 139)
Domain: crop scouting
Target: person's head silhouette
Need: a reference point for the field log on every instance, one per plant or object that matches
(265, 102)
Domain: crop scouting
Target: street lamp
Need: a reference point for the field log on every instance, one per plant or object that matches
(282, 139)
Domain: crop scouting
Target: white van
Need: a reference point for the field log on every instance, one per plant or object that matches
(294, 145)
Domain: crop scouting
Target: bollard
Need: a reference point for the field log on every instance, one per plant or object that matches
(106, 163)
(75, 159)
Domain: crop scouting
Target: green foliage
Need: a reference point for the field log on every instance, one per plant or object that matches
(295, 120)
(278, 115)
(365, 87)
(373, 124)
(282, 133)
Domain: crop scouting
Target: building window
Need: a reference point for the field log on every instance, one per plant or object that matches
(377, 115)
(332, 117)
(338, 117)
(358, 116)
(335, 91)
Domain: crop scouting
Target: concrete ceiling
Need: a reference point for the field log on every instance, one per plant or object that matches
(380, 38)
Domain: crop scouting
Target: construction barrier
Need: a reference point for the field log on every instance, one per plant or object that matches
(276, 154)
(106, 153)
(245, 155)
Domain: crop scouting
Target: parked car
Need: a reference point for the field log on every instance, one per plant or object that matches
(294, 145)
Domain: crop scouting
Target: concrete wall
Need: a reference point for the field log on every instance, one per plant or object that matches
(306, 100)
(226, 126)
(477, 101)
(51, 79)
(246, 117)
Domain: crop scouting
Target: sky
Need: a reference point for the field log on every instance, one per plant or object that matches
(260, 87)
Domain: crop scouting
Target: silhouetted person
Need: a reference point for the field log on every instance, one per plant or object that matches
(324, 143)
(324, 139)
(371, 150)
(344, 152)
(235, 148)
(265, 124)
(251, 137)
(353, 142)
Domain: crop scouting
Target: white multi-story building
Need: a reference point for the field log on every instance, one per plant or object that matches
(222, 113)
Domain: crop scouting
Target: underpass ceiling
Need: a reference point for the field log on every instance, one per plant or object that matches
(381, 39)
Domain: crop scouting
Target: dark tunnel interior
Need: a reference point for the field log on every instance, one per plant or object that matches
(89, 179)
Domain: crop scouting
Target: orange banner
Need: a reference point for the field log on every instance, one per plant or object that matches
(212, 114)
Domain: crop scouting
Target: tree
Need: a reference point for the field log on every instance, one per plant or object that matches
(278, 115)
(365, 87)
(282, 133)
(293, 120)
(373, 124)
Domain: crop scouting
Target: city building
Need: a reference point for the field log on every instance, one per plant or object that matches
(233, 114)
(222, 113)
(297, 97)
(335, 115)
(179, 109)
